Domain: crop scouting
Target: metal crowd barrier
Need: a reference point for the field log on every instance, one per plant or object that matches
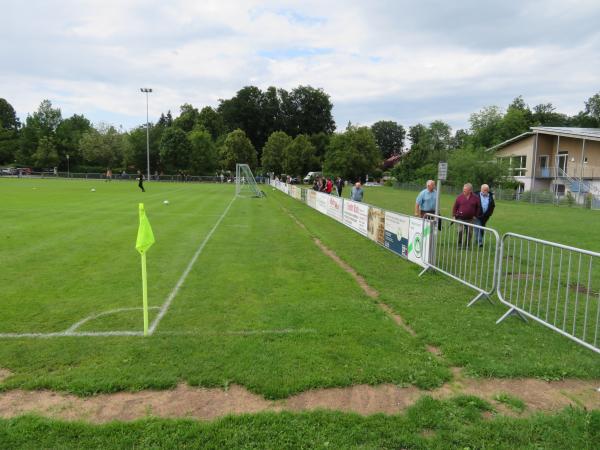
(455, 252)
(553, 284)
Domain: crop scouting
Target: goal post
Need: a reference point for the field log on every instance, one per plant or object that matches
(245, 184)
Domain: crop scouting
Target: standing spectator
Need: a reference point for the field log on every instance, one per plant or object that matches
(357, 192)
(323, 186)
(108, 174)
(488, 205)
(466, 208)
(329, 186)
(425, 203)
(318, 186)
(140, 178)
(339, 185)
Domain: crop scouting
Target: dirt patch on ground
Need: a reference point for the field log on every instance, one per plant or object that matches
(4, 374)
(371, 292)
(399, 320)
(208, 404)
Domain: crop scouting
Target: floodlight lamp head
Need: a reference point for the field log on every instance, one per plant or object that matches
(146, 90)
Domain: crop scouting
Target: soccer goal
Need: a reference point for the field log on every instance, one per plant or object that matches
(245, 184)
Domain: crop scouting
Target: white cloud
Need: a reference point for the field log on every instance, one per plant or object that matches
(400, 60)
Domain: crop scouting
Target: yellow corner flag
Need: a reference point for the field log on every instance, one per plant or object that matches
(145, 239)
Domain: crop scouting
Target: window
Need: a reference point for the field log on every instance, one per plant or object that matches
(516, 164)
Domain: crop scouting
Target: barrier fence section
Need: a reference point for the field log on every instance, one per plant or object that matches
(465, 252)
(553, 284)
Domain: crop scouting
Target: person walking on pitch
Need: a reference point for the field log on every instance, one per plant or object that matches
(141, 181)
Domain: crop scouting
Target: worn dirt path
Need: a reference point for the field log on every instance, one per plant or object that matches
(207, 404)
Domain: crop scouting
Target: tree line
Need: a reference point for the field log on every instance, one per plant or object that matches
(280, 131)
(466, 150)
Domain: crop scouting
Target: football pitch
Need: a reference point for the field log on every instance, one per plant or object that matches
(238, 292)
(242, 291)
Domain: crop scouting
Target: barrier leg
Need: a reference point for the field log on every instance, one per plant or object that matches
(511, 312)
(424, 270)
(476, 299)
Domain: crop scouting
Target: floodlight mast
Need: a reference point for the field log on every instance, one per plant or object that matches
(147, 91)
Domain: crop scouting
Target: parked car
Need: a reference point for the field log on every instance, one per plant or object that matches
(8, 171)
(309, 178)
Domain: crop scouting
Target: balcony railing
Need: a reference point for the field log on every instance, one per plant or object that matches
(573, 171)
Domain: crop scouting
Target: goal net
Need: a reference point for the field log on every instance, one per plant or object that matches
(245, 184)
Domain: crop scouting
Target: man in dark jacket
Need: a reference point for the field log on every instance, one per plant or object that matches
(339, 185)
(488, 205)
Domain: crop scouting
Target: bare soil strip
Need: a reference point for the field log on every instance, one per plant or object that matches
(208, 404)
(4, 374)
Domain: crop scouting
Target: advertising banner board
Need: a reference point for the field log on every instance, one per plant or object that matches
(418, 250)
(335, 208)
(297, 193)
(356, 216)
(396, 233)
(311, 199)
(322, 202)
(376, 225)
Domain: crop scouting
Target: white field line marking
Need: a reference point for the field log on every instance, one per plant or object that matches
(105, 313)
(165, 307)
(69, 334)
(157, 333)
(71, 330)
(238, 332)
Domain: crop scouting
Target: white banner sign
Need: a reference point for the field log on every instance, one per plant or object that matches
(418, 250)
(335, 207)
(356, 216)
(322, 202)
(311, 199)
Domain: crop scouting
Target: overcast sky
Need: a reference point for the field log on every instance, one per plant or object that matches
(378, 60)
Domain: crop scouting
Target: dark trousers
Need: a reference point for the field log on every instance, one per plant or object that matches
(479, 233)
(141, 185)
(467, 231)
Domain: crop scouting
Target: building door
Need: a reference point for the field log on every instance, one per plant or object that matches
(561, 162)
(544, 171)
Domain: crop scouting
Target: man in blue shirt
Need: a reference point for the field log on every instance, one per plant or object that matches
(487, 209)
(426, 200)
(357, 192)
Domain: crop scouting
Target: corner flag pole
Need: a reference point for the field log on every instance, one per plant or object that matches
(145, 293)
(145, 239)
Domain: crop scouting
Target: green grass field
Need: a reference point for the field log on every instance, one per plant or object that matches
(261, 306)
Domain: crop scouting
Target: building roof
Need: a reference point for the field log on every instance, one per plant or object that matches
(587, 133)
(572, 132)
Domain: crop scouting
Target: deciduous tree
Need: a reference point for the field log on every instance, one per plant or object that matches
(273, 151)
(237, 148)
(389, 136)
